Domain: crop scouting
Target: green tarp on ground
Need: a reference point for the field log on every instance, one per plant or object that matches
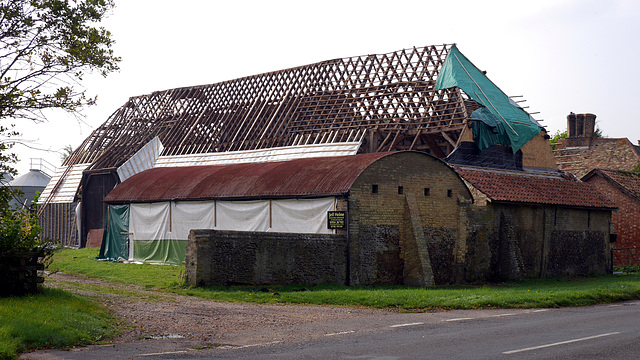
(501, 122)
(115, 240)
(160, 251)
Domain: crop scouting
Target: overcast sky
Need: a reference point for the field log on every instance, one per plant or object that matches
(561, 55)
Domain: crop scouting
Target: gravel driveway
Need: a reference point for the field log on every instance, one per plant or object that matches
(202, 322)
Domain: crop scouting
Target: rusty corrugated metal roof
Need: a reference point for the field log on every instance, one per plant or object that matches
(534, 188)
(295, 178)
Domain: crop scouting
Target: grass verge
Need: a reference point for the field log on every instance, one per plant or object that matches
(51, 319)
(533, 293)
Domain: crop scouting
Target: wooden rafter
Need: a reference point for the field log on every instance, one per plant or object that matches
(388, 101)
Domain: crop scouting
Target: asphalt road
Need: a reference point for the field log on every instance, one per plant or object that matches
(594, 332)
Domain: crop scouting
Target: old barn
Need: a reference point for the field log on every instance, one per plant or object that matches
(366, 135)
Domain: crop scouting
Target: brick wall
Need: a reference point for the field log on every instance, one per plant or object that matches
(378, 233)
(627, 219)
(241, 257)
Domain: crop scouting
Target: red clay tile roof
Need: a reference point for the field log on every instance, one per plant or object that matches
(627, 181)
(533, 188)
(294, 178)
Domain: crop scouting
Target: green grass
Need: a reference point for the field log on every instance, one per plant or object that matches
(524, 294)
(521, 294)
(59, 319)
(80, 262)
(51, 319)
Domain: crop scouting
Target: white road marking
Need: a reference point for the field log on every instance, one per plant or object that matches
(254, 345)
(409, 324)
(560, 343)
(501, 315)
(458, 319)
(164, 353)
(340, 333)
(540, 310)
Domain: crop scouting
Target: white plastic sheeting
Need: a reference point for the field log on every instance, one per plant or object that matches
(261, 155)
(149, 221)
(174, 220)
(301, 216)
(186, 216)
(67, 190)
(242, 215)
(142, 160)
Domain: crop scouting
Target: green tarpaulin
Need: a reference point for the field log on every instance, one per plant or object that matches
(160, 251)
(115, 240)
(501, 122)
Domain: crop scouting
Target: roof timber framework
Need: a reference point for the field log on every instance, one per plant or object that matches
(386, 101)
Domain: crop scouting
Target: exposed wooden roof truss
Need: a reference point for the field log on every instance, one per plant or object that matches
(386, 101)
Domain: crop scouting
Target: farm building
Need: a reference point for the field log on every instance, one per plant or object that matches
(260, 163)
(623, 189)
(284, 204)
(414, 99)
(408, 219)
(608, 165)
(30, 184)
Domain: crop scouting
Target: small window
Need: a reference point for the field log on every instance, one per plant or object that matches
(449, 193)
(400, 190)
(374, 189)
(427, 191)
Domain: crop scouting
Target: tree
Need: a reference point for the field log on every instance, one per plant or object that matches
(557, 136)
(67, 150)
(597, 133)
(46, 47)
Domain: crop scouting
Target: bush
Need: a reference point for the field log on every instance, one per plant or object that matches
(19, 231)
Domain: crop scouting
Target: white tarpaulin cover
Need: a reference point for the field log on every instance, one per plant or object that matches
(188, 215)
(301, 215)
(159, 232)
(149, 221)
(261, 155)
(242, 215)
(67, 190)
(142, 160)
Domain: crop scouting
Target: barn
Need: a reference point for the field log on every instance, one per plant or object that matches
(247, 180)
(413, 99)
(291, 201)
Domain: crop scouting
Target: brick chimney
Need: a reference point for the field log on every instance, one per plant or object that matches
(581, 125)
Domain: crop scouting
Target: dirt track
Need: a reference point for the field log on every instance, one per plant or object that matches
(157, 315)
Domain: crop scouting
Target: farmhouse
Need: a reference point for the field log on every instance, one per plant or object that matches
(362, 170)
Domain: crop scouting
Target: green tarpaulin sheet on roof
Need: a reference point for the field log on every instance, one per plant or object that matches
(501, 122)
(115, 240)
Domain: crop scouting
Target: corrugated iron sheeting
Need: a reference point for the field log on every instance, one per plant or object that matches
(302, 177)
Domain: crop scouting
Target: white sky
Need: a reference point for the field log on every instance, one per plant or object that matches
(561, 55)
